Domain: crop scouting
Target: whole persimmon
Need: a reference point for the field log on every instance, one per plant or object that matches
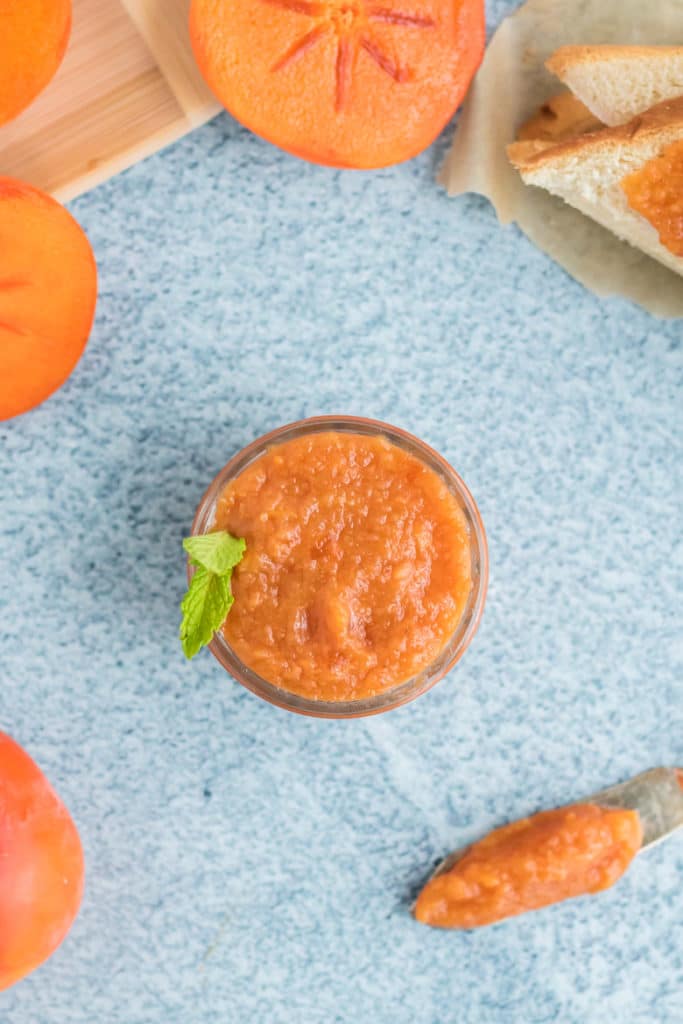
(348, 83)
(41, 866)
(33, 38)
(48, 291)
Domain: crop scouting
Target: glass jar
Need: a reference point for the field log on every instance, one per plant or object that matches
(467, 626)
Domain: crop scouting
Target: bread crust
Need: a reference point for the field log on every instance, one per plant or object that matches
(529, 156)
(567, 58)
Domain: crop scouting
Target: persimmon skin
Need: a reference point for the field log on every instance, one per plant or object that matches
(358, 84)
(34, 35)
(48, 293)
(41, 866)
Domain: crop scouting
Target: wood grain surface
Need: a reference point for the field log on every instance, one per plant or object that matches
(127, 87)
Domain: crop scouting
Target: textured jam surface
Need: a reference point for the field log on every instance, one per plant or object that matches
(656, 192)
(357, 568)
(531, 864)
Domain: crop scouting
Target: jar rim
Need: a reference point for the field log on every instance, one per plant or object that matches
(468, 624)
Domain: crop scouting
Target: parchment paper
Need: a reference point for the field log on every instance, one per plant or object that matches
(510, 86)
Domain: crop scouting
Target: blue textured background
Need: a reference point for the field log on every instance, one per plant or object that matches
(248, 866)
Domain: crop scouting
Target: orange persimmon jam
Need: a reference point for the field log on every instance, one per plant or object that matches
(533, 863)
(656, 192)
(358, 565)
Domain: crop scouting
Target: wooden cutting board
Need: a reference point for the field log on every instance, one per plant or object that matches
(127, 87)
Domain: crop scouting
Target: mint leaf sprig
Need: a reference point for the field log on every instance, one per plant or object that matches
(209, 597)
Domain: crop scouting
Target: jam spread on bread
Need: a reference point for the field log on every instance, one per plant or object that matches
(656, 192)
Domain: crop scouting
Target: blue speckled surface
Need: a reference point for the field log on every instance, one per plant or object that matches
(248, 866)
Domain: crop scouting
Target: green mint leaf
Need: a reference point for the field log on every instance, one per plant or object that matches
(218, 552)
(205, 608)
(209, 598)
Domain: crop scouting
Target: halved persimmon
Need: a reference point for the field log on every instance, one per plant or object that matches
(48, 291)
(33, 39)
(348, 83)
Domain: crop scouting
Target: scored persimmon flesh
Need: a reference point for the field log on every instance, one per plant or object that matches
(48, 290)
(348, 83)
(656, 192)
(33, 39)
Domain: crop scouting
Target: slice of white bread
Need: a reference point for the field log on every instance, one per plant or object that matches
(587, 172)
(618, 82)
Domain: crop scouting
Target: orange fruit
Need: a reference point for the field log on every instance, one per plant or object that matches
(41, 866)
(48, 291)
(349, 83)
(33, 39)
